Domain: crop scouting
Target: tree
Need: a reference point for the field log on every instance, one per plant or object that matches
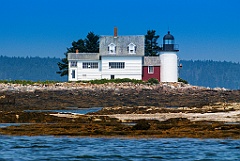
(63, 66)
(89, 45)
(151, 45)
(92, 43)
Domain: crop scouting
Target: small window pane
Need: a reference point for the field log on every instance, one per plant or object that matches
(150, 69)
(73, 63)
(73, 74)
(117, 65)
(90, 65)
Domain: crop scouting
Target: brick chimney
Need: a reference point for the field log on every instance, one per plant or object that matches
(115, 32)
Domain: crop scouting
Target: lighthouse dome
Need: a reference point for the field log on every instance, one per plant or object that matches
(168, 42)
(168, 36)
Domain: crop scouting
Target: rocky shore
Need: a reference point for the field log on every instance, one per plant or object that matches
(130, 110)
(105, 126)
(85, 95)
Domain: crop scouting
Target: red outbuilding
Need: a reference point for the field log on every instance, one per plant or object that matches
(151, 68)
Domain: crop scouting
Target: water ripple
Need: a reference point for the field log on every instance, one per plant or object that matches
(49, 148)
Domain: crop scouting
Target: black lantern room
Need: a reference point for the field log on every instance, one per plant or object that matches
(168, 42)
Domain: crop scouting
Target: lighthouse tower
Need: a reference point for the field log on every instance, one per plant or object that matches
(169, 60)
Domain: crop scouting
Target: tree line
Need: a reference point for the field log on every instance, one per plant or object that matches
(29, 68)
(211, 73)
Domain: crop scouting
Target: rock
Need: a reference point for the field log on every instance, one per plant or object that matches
(66, 94)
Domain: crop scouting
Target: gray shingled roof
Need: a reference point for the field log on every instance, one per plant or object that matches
(83, 56)
(122, 43)
(151, 61)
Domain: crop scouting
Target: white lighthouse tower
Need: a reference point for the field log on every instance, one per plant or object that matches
(169, 60)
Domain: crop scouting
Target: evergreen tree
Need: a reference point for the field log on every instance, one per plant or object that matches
(151, 45)
(80, 45)
(63, 66)
(89, 45)
(92, 43)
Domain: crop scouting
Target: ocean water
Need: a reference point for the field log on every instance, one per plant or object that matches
(70, 110)
(50, 148)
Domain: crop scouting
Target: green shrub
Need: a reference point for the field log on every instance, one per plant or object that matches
(153, 81)
(103, 81)
(98, 81)
(182, 80)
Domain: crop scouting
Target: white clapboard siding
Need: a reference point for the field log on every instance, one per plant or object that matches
(132, 70)
(85, 74)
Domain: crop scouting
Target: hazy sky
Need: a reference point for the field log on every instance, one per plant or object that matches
(204, 29)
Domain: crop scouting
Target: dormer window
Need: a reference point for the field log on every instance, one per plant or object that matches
(132, 48)
(112, 48)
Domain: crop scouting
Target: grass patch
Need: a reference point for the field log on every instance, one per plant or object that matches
(97, 81)
(103, 81)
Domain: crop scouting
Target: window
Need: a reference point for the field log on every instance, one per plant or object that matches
(168, 41)
(112, 48)
(90, 65)
(73, 74)
(150, 69)
(132, 48)
(73, 64)
(117, 65)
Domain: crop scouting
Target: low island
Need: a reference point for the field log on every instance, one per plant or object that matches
(165, 110)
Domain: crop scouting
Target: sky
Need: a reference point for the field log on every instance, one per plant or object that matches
(203, 29)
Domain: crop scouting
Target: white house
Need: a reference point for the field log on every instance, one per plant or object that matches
(118, 57)
(123, 57)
